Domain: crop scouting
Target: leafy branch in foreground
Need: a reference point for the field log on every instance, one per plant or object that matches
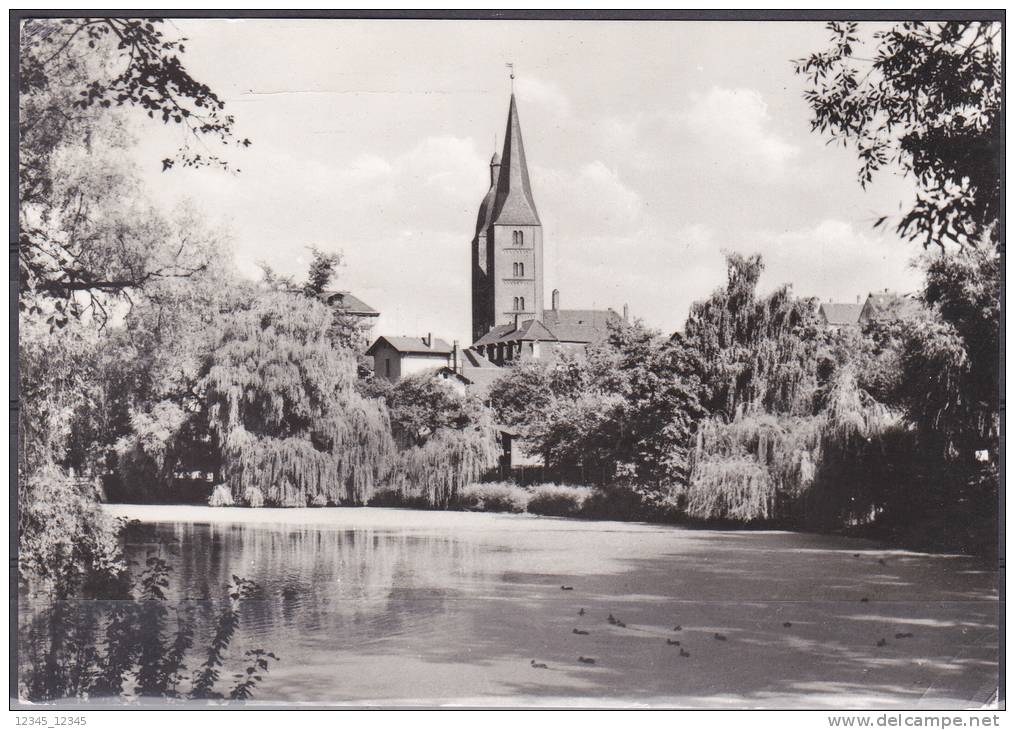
(929, 102)
(133, 650)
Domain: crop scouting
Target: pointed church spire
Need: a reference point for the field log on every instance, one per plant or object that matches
(514, 204)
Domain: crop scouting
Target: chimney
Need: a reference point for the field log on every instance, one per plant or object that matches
(555, 299)
(456, 366)
(857, 298)
(428, 340)
(516, 321)
(626, 313)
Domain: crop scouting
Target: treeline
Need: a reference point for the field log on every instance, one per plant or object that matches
(755, 413)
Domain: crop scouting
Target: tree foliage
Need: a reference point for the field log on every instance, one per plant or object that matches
(623, 411)
(87, 235)
(755, 351)
(445, 436)
(137, 646)
(287, 421)
(928, 101)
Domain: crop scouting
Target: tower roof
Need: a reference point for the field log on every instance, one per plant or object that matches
(513, 205)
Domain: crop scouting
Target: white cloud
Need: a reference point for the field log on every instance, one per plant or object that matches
(545, 94)
(736, 122)
(590, 200)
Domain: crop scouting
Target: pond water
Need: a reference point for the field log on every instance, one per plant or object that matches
(378, 606)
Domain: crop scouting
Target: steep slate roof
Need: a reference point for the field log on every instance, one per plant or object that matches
(579, 325)
(348, 303)
(496, 334)
(840, 313)
(557, 325)
(412, 345)
(514, 205)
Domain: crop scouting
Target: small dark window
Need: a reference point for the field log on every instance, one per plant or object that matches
(522, 301)
(387, 367)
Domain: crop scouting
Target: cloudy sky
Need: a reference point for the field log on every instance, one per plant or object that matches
(652, 147)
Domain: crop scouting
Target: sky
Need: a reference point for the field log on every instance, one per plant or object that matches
(653, 148)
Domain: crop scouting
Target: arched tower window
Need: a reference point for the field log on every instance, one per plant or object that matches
(521, 270)
(518, 238)
(521, 301)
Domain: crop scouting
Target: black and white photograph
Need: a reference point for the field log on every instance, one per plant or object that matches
(506, 360)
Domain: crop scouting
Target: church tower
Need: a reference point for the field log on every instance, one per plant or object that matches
(507, 249)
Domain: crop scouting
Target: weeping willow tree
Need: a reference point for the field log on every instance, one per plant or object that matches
(290, 428)
(440, 469)
(791, 436)
(826, 470)
(446, 440)
(747, 470)
(756, 352)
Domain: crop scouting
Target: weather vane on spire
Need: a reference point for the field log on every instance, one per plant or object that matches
(512, 67)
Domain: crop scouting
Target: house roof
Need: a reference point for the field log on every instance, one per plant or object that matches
(497, 333)
(514, 205)
(472, 359)
(412, 345)
(837, 313)
(889, 304)
(348, 303)
(579, 325)
(476, 371)
(557, 325)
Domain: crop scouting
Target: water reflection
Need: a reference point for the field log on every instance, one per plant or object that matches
(364, 586)
(454, 607)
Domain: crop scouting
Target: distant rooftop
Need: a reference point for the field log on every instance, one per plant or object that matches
(842, 314)
(887, 304)
(556, 325)
(348, 303)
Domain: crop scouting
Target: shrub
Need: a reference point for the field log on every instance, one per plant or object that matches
(494, 497)
(221, 496)
(558, 500)
(254, 497)
(319, 500)
(392, 497)
(619, 502)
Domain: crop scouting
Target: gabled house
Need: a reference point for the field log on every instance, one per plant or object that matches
(396, 357)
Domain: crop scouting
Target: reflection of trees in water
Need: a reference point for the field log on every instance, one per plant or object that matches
(360, 586)
(133, 642)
